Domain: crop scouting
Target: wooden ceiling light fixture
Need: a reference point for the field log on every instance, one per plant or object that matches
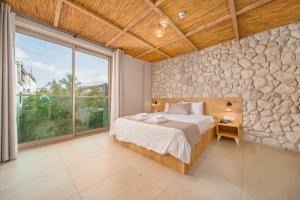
(204, 27)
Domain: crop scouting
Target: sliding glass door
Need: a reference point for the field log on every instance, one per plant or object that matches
(91, 80)
(47, 72)
(44, 101)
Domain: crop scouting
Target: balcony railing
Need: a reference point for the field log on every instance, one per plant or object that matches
(43, 117)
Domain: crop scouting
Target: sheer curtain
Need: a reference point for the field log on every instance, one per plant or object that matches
(8, 125)
(117, 107)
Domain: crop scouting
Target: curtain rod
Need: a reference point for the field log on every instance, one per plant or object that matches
(66, 32)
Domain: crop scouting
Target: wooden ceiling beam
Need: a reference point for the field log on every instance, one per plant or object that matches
(112, 25)
(136, 20)
(158, 2)
(158, 47)
(172, 24)
(57, 12)
(252, 6)
(208, 25)
(233, 17)
(211, 24)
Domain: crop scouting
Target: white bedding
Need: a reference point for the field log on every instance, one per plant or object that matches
(158, 138)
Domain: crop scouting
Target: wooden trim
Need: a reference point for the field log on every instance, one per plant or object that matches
(208, 25)
(170, 161)
(252, 6)
(136, 20)
(158, 2)
(172, 24)
(57, 12)
(233, 17)
(158, 47)
(110, 24)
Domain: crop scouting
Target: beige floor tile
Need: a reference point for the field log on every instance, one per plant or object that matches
(125, 155)
(102, 169)
(273, 160)
(223, 166)
(102, 139)
(76, 197)
(165, 196)
(19, 171)
(263, 184)
(80, 151)
(155, 172)
(226, 147)
(125, 185)
(203, 187)
(37, 153)
(56, 185)
(93, 170)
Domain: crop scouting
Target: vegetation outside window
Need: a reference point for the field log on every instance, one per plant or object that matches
(45, 72)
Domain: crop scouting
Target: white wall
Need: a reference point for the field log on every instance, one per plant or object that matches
(137, 85)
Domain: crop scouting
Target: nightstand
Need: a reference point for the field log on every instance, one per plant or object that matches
(229, 130)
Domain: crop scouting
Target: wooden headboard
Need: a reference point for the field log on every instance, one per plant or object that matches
(214, 106)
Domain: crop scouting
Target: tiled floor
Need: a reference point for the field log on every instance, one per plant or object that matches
(93, 168)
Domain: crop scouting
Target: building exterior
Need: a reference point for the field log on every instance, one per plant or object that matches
(26, 82)
(93, 90)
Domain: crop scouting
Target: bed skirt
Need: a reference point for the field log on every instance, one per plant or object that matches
(173, 163)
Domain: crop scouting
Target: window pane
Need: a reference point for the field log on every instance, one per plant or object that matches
(44, 88)
(91, 92)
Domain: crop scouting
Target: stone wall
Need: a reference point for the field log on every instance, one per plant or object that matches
(264, 69)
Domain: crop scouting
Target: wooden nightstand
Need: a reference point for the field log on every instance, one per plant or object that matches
(230, 130)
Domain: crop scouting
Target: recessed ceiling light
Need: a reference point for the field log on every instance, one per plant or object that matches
(159, 31)
(164, 22)
(181, 14)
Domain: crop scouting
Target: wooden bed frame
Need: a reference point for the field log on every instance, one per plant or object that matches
(212, 106)
(205, 139)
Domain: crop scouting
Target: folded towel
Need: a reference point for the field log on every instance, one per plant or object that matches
(141, 114)
(158, 117)
(140, 117)
(153, 120)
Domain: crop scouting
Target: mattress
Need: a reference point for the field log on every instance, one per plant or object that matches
(163, 140)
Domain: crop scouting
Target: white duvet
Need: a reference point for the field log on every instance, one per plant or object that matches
(160, 139)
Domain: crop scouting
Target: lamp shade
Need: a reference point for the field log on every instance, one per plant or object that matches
(228, 106)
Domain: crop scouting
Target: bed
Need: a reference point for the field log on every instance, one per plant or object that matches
(167, 143)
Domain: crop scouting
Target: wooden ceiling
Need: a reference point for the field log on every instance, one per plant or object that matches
(130, 24)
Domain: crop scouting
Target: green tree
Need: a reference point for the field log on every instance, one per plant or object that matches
(49, 112)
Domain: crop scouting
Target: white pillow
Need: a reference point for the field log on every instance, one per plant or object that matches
(196, 107)
(166, 109)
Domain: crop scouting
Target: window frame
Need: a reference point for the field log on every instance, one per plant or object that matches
(74, 48)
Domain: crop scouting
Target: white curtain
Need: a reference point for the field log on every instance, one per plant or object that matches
(117, 86)
(8, 125)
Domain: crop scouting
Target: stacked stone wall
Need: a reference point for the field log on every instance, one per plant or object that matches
(263, 69)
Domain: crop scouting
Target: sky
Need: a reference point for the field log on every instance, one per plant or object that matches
(50, 61)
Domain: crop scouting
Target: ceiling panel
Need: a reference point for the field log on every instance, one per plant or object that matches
(129, 45)
(121, 12)
(42, 10)
(153, 57)
(197, 12)
(239, 4)
(271, 15)
(177, 48)
(146, 27)
(217, 34)
(81, 24)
